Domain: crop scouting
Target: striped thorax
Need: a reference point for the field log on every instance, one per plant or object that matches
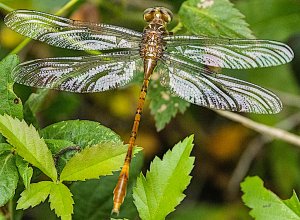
(152, 44)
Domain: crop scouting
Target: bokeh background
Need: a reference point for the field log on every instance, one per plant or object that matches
(225, 151)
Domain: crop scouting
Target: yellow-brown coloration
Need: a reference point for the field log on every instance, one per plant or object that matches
(151, 50)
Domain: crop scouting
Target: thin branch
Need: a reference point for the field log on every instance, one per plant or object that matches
(251, 151)
(261, 128)
(5, 7)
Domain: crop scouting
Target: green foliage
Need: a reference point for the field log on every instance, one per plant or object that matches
(5, 147)
(98, 193)
(208, 211)
(28, 144)
(45, 5)
(95, 161)
(35, 194)
(24, 170)
(164, 105)
(8, 177)
(81, 132)
(214, 18)
(282, 14)
(157, 194)
(33, 105)
(267, 205)
(9, 102)
(61, 201)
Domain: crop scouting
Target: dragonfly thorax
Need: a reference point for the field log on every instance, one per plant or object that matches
(152, 44)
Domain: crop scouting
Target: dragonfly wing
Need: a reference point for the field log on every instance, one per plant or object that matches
(229, 53)
(205, 88)
(71, 34)
(79, 74)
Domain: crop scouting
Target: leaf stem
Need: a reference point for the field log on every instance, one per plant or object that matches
(5, 7)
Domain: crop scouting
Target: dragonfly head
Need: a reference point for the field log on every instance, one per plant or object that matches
(158, 13)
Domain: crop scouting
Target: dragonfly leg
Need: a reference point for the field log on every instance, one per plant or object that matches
(120, 189)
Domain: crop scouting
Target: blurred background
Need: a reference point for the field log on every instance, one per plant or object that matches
(225, 151)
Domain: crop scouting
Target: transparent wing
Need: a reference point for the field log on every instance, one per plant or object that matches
(70, 34)
(203, 87)
(229, 53)
(79, 74)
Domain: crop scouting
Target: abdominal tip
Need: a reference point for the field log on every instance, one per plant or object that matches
(116, 209)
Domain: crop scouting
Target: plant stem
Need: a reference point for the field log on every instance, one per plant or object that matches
(5, 7)
(261, 128)
(66, 7)
(11, 210)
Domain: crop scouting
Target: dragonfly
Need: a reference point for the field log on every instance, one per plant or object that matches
(182, 62)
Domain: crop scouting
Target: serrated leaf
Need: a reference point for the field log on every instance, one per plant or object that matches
(63, 150)
(157, 194)
(34, 194)
(9, 102)
(293, 203)
(95, 161)
(55, 146)
(265, 204)
(61, 201)
(8, 177)
(214, 18)
(99, 194)
(28, 144)
(5, 147)
(164, 105)
(24, 170)
(81, 132)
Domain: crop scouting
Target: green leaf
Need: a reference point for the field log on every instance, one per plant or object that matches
(99, 194)
(63, 150)
(55, 146)
(164, 105)
(5, 147)
(282, 14)
(8, 177)
(9, 102)
(95, 161)
(265, 204)
(293, 203)
(28, 144)
(161, 191)
(81, 132)
(33, 105)
(61, 201)
(34, 194)
(214, 18)
(24, 171)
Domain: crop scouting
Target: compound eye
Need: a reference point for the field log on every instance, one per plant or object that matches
(148, 14)
(167, 15)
